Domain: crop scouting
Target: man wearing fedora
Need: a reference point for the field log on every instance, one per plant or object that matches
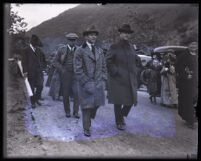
(33, 66)
(64, 64)
(90, 70)
(122, 76)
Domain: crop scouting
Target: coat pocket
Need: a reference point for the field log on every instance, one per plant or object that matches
(89, 88)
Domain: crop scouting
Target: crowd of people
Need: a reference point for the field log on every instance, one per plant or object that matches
(82, 74)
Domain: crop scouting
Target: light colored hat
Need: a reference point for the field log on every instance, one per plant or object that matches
(71, 36)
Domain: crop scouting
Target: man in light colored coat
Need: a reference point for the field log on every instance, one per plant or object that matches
(122, 76)
(90, 71)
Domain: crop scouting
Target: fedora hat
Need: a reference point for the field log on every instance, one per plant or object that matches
(89, 30)
(125, 28)
(36, 41)
(71, 36)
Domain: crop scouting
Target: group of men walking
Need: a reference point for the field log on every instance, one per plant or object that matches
(83, 71)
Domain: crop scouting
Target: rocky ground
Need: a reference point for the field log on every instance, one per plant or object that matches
(152, 131)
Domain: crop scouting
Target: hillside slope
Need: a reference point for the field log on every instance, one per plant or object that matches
(154, 24)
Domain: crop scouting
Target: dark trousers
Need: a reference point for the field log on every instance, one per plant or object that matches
(87, 115)
(36, 93)
(68, 86)
(120, 111)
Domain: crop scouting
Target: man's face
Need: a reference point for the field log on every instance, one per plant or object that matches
(193, 47)
(124, 36)
(91, 38)
(71, 42)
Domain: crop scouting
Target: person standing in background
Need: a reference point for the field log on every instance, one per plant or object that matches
(33, 69)
(64, 64)
(188, 82)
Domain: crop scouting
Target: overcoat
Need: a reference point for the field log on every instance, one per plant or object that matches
(67, 76)
(122, 74)
(188, 87)
(33, 65)
(90, 71)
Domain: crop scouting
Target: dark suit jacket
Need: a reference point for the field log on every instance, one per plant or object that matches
(32, 64)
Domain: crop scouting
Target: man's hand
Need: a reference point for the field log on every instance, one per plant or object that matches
(25, 75)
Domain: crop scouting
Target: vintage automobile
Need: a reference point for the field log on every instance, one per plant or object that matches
(144, 59)
(161, 51)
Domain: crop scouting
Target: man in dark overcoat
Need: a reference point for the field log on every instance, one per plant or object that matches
(122, 77)
(64, 63)
(33, 68)
(187, 68)
(90, 70)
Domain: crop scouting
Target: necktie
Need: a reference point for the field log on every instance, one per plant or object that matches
(93, 49)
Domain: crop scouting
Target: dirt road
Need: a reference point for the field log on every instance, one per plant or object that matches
(152, 131)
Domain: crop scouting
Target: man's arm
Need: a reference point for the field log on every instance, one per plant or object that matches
(78, 67)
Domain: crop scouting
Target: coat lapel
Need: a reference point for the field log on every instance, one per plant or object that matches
(89, 53)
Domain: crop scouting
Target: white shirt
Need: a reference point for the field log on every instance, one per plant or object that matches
(71, 48)
(89, 45)
(32, 47)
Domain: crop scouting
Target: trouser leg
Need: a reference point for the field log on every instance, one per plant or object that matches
(38, 92)
(66, 104)
(93, 112)
(126, 109)
(75, 105)
(118, 114)
(66, 85)
(86, 119)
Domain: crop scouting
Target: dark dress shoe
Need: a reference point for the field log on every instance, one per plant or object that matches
(76, 115)
(38, 103)
(68, 115)
(87, 133)
(33, 106)
(120, 127)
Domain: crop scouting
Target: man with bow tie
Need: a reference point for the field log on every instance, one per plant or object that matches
(33, 66)
(90, 71)
(64, 64)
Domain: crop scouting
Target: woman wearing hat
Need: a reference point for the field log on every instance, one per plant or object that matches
(90, 70)
(121, 64)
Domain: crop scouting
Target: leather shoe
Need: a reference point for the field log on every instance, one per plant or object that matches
(76, 115)
(68, 115)
(42, 99)
(87, 133)
(38, 103)
(120, 127)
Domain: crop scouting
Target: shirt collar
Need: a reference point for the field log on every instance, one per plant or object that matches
(89, 45)
(71, 48)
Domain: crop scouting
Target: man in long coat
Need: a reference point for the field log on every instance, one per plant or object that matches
(121, 65)
(64, 63)
(90, 70)
(188, 82)
(33, 68)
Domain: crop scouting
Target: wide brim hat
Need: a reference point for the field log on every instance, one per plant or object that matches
(89, 30)
(125, 29)
(71, 36)
(36, 41)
